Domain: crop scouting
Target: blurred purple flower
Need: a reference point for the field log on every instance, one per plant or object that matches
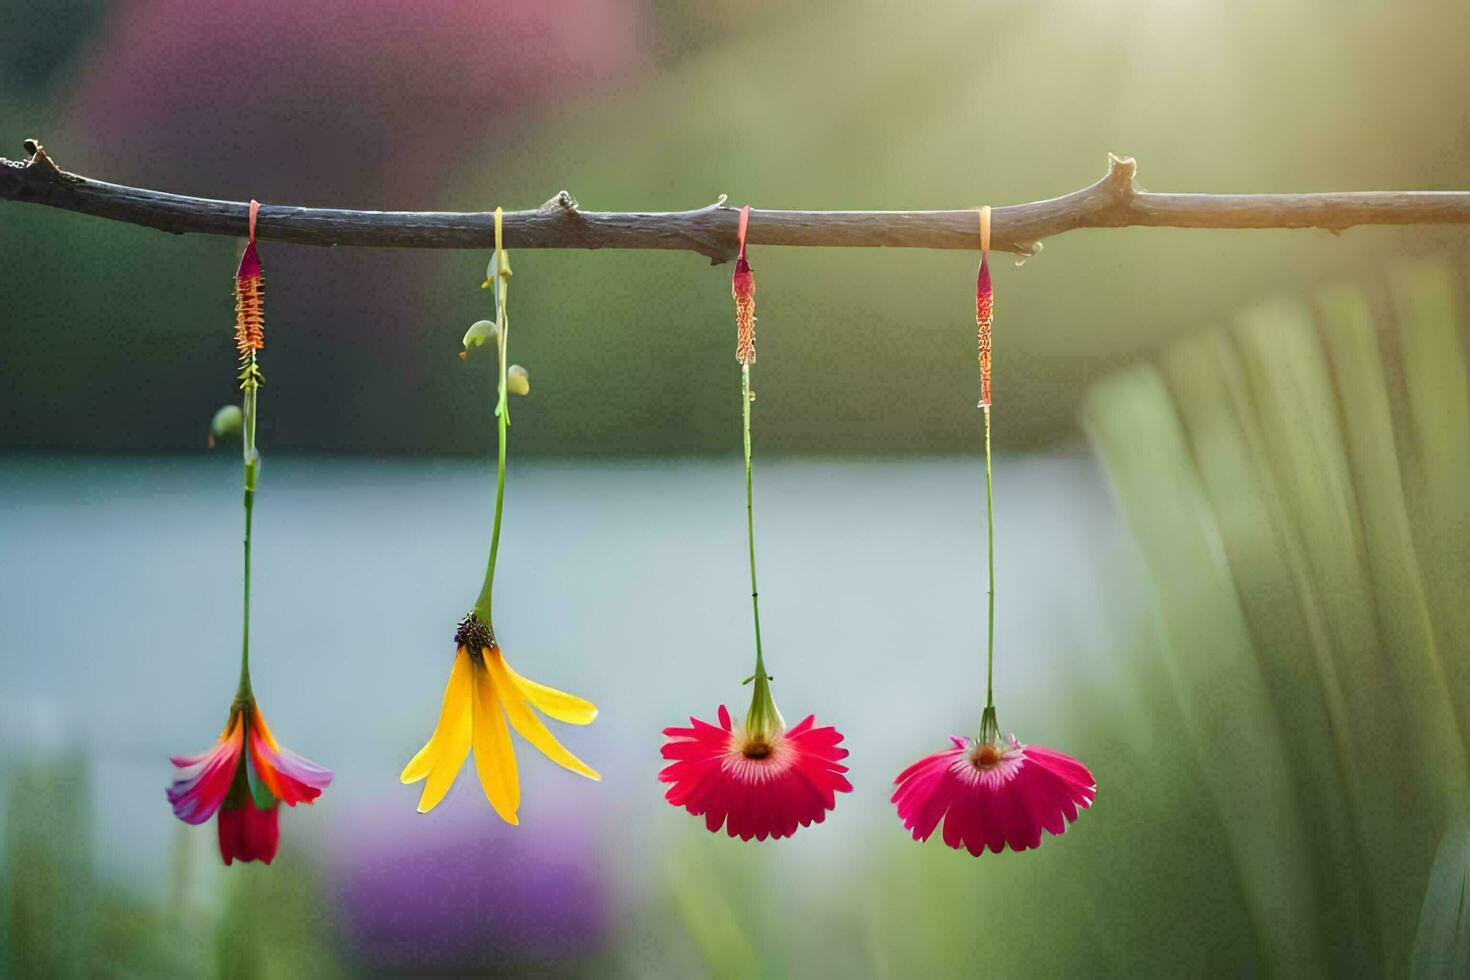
(368, 104)
(466, 891)
(313, 103)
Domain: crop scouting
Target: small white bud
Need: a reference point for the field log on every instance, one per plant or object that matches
(480, 333)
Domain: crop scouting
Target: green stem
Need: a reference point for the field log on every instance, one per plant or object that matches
(990, 575)
(763, 718)
(252, 469)
(755, 602)
(502, 416)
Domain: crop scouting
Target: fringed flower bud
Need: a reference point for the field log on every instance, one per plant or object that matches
(984, 307)
(250, 308)
(517, 381)
(742, 287)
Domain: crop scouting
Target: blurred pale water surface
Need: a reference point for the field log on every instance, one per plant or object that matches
(623, 581)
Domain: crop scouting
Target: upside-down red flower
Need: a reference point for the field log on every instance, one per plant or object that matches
(244, 778)
(760, 780)
(756, 783)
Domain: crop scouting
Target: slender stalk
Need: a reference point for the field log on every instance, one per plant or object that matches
(502, 417)
(990, 575)
(755, 602)
(762, 718)
(243, 691)
(252, 469)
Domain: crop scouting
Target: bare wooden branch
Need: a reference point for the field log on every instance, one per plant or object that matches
(1112, 202)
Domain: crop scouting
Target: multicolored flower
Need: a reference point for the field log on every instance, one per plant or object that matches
(483, 693)
(756, 783)
(993, 794)
(244, 778)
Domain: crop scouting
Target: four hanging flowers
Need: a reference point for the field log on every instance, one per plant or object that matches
(756, 780)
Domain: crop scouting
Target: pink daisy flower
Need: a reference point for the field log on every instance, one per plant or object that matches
(244, 778)
(993, 794)
(756, 784)
(988, 792)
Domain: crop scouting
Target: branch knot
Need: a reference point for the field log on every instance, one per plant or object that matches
(41, 164)
(1121, 172)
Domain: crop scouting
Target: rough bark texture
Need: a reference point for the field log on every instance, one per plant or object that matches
(1112, 202)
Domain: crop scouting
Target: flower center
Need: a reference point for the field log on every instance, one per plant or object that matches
(986, 756)
(756, 749)
(474, 635)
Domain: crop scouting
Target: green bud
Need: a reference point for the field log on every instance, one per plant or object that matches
(226, 424)
(763, 721)
(517, 381)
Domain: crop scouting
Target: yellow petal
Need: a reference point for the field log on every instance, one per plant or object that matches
(553, 703)
(453, 715)
(448, 764)
(495, 759)
(518, 710)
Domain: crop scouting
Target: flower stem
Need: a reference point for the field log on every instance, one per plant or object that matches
(502, 419)
(252, 470)
(755, 601)
(990, 576)
(763, 718)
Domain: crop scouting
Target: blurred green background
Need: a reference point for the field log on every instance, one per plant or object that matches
(1232, 501)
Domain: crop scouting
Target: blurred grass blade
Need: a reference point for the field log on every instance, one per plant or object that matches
(1442, 945)
(1271, 577)
(699, 897)
(1404, 620)
(49, 893)
(1211, 661)
(277, 922)
(1395, 741)
(1438, 399)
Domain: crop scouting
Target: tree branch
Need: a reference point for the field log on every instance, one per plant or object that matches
(1112, 202)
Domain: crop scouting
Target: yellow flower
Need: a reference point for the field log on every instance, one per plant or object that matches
(483, 693)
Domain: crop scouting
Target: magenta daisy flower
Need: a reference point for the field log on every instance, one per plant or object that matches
(993, 795)
(756, 784)
(991, 792)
